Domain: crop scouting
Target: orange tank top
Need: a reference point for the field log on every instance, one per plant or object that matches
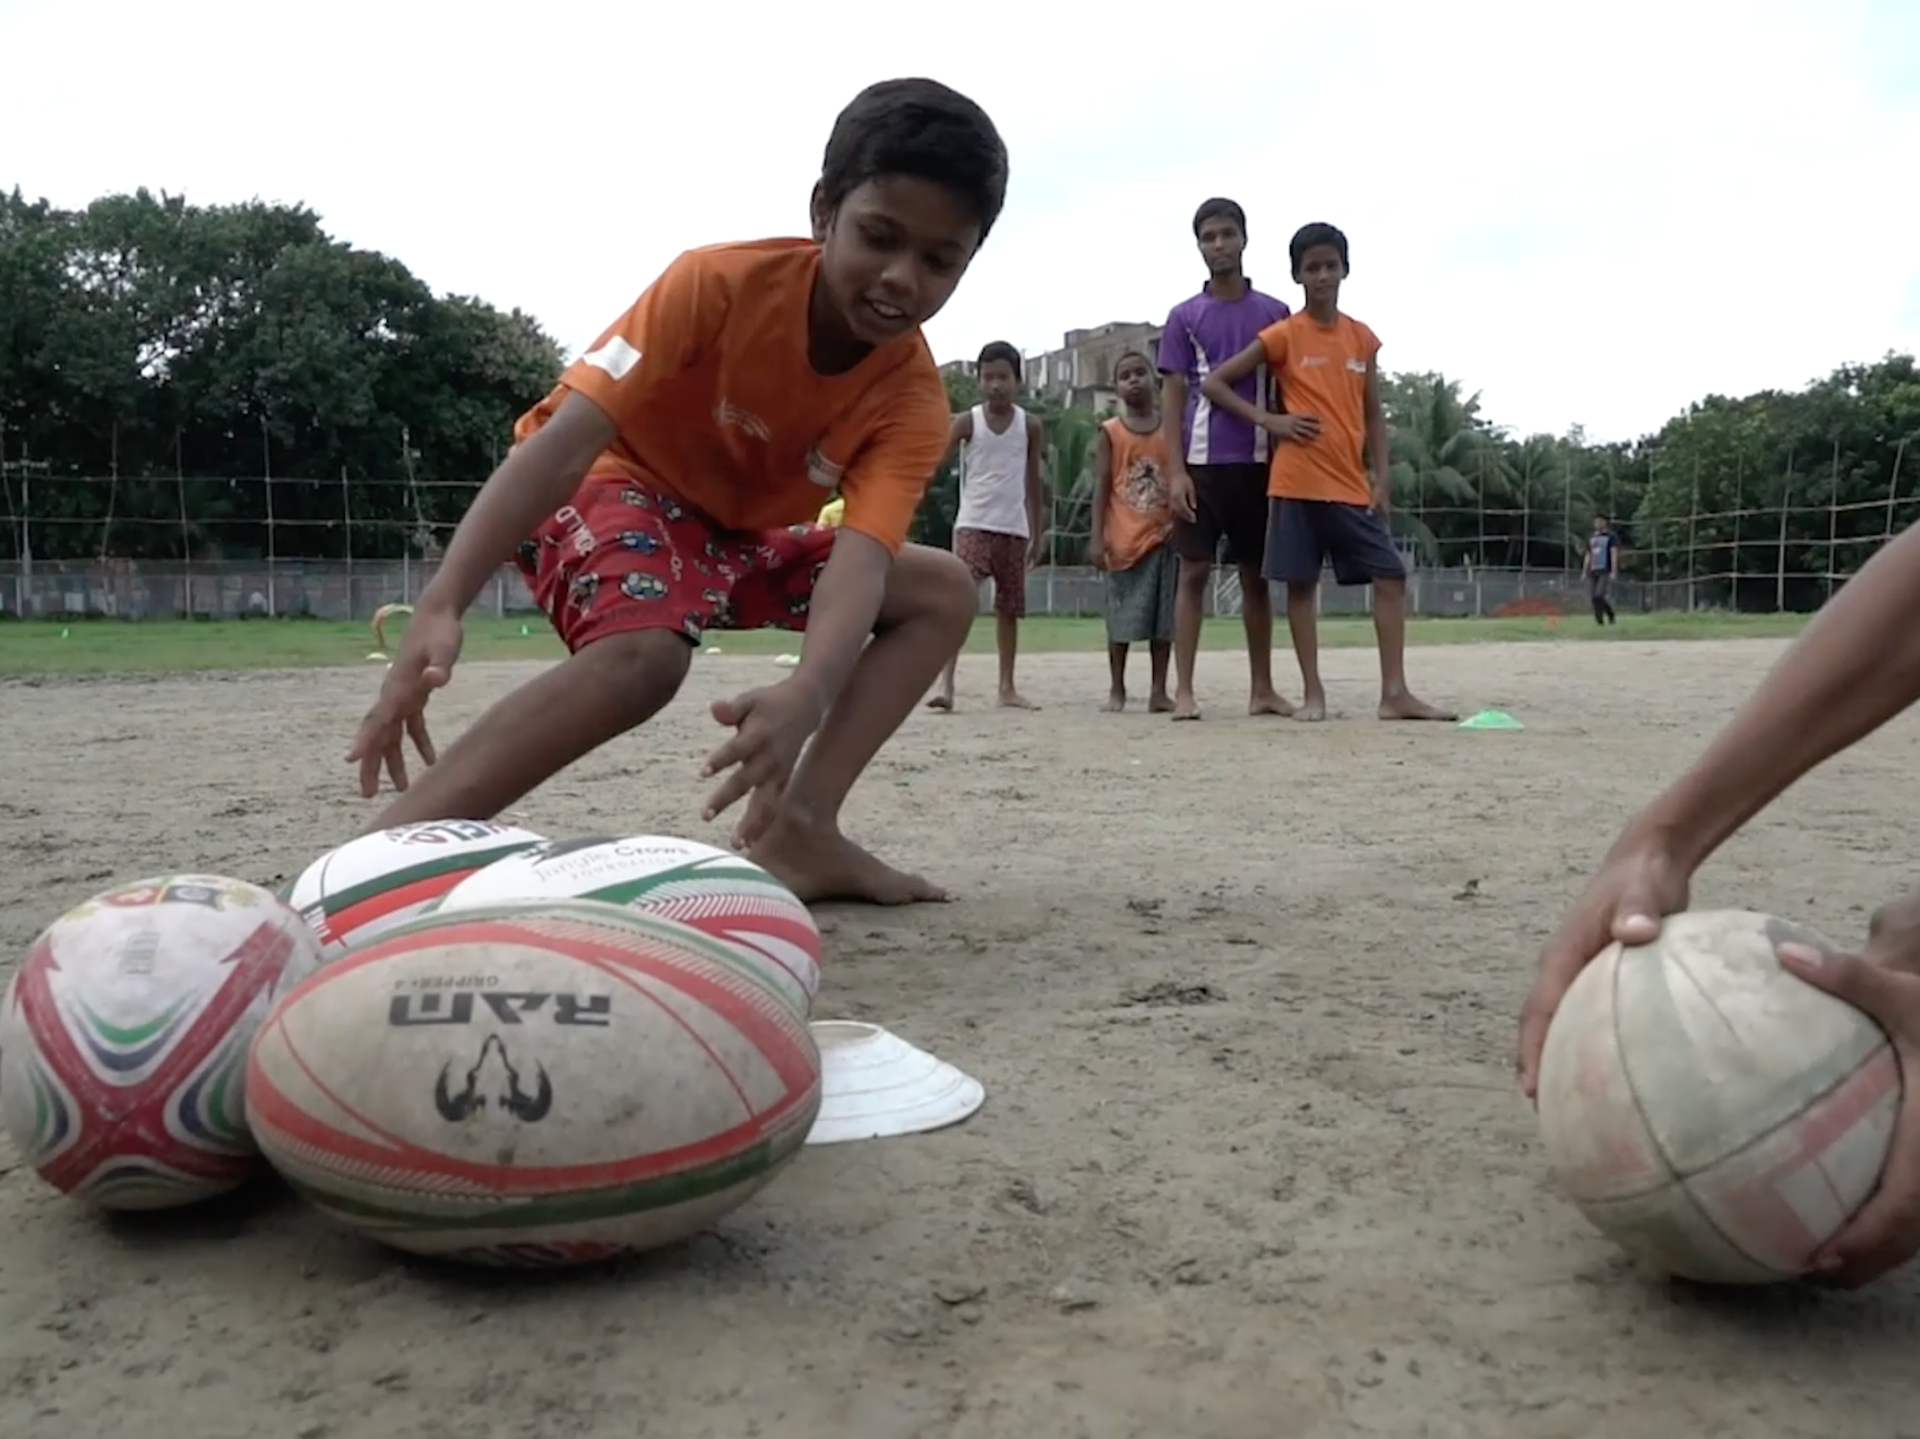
(1139, 511)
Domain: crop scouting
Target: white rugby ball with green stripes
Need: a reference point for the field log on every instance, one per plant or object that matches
(717, 892)
(546, 1083)
(369, 885)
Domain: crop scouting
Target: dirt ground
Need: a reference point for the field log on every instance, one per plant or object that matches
(1242, 994)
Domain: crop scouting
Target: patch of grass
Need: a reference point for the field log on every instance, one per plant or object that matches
(100, 647)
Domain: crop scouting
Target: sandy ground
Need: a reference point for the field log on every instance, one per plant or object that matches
(1242, 993)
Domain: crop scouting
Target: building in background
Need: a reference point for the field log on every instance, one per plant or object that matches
(1079, 374)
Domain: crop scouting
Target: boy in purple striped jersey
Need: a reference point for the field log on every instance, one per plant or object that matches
(1217, 471)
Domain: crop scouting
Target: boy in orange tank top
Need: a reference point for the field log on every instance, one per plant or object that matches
(667, 487)
(1321, 504)
(1132, 524)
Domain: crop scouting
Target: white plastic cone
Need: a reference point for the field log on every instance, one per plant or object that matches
(874, 1084)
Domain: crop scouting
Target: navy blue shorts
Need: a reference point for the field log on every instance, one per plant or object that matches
(1229, 512)
(1303, 534)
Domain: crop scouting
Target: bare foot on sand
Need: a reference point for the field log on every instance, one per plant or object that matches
(1160, 703)
(1116, 702)
(1186, 707)
(1312, 709)
(942, 702)
(1405, 706)
(1014, 700)
(818, 863)
(1269, 703)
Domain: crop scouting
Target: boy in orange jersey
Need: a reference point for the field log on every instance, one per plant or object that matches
(1132, 520)
(666, 487)
(1321, 504)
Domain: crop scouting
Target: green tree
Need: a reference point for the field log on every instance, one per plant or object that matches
(162, 357)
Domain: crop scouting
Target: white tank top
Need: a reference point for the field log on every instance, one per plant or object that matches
(993, 477)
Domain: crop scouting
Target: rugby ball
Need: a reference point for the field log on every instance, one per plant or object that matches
(718, 892)
(124, 1033)
(533, 1084)
(1709, 1111)
(370, 884)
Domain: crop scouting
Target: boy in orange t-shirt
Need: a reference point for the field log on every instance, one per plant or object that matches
(1132, 522)
(667, 487)
(1321, 504)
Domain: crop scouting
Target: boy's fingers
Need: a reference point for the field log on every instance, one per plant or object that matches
(422, 741)
(1565, 955)
(741, 780)
(396, 763)
(734, 711)
(737, 748)
(763, 807)
(1886, 1231)
(1867, 987)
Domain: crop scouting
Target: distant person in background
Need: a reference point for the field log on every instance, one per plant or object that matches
(1001, 524)
(1217, 459)
(1132, 524)
(1602, 564)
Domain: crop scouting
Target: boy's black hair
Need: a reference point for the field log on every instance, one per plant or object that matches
(998, 350)
(923, 129)
(1318, 233)
(1141, 355)
(1219, 208)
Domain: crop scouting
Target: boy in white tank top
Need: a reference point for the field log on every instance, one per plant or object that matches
(1001, 524)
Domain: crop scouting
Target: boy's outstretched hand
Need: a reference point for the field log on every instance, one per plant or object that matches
(1638, 886)
(771, 726)
(1883, 982)
(423, 665)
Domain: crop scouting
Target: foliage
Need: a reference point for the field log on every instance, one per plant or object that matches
(183, 351)
(1775, 484)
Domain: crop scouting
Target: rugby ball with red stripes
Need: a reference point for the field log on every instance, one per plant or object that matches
(718, 892)
(124, 1036)
(544, 1083)
(371, 884)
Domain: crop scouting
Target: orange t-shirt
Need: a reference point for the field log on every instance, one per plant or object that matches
(1139, 510)
(1322, 371)
(708, 382)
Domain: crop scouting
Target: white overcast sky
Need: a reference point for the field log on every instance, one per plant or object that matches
(1593, 213)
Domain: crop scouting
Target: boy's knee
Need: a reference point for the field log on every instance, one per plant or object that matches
(937, 586)
(1194, 575)
(617, 665)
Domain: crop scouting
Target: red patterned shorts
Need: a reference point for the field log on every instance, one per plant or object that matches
(626, 556)
(1002, 558)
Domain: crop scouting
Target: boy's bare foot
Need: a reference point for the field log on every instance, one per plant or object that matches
(1014, 700)
(1116, 702)
(1186, 707)
(1270, 703)
(1405, 706)
(817, 863)
(1160, 703)
(942, 702)
(1312, 709)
